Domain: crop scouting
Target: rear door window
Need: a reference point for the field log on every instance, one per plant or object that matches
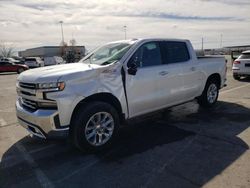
(174, 52)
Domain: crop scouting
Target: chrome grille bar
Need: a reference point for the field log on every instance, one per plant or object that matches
(29, 103)
(27, 85)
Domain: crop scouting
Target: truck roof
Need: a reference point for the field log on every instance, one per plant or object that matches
(149, 39)
(246, 52)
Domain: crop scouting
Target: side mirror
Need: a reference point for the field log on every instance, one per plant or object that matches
(132, 68)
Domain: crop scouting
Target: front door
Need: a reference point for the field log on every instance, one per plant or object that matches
(154, 84)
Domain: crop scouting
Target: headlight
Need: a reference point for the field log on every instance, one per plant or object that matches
(53, 86)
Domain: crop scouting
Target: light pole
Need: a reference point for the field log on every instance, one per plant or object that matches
(221, 40)
(125, 31)
(202, 44)
(61, 22)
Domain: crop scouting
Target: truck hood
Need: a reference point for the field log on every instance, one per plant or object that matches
(54, 73)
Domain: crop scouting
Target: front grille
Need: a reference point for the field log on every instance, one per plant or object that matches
(27, 85)
(31, 105)
(27, 93)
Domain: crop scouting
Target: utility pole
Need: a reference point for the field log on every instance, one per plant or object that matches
(61, 22)
(221, 40)
(125, 31)
(202, 44)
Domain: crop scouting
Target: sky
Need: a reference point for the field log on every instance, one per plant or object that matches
(32, 23)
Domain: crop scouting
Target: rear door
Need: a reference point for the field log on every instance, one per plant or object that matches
(190, 70)
(175, 56)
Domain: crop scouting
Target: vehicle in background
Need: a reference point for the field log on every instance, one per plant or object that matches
(55, 60)
(34, 62)
(10, 60)
(241, 66)
(235, 54)
(114, 84)
(19, 60)
(6, 66)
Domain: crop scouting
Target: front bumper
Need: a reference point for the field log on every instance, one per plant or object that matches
(42, 123)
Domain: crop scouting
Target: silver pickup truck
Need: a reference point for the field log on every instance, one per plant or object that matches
(116, 82)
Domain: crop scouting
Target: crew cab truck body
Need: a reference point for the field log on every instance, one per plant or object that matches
(116, 82)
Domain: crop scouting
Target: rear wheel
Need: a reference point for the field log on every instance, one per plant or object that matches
(236, 76)
(210, 94)
(20, 70)
(94, 126)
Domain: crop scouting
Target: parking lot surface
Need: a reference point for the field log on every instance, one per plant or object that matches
(186, 146)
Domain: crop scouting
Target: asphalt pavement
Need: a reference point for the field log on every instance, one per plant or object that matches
(186, 146)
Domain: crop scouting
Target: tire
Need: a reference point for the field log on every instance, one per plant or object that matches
(236, 77)
(210, 94)
(20, 70)
(88, 131)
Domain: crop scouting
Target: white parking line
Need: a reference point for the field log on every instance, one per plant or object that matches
(40, 175)
(2, 122)
(235, 88)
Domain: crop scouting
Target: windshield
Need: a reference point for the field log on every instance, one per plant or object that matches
(107, 54)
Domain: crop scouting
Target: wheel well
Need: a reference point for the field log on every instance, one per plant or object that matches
(103, 97)
(216, 77)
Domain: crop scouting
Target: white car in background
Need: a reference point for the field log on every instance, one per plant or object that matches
(33, 62)
(241, 66)
(55, 60)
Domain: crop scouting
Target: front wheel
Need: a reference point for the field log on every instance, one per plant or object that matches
(94, 126)
(210, 94)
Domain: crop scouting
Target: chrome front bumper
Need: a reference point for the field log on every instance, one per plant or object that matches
(41, 123)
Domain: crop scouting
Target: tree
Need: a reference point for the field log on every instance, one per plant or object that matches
(72, 42)
(6, 50)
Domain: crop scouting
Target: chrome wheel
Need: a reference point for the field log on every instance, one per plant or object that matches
(99, 128)
(212, 93)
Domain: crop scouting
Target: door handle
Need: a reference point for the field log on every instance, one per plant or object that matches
(163, 73)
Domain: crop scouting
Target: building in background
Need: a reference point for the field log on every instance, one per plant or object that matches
(69, 53)
(234, 51)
